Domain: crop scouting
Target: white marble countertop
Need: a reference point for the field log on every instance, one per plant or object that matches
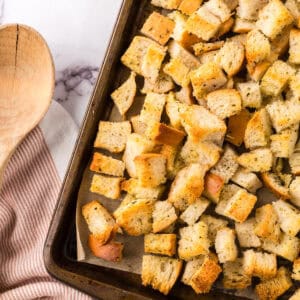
(77, 32)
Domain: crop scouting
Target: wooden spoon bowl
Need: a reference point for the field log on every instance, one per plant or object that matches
(26, 85)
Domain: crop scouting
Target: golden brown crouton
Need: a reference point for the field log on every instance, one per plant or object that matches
(162, 84)
(164, 244)
(202, 47)
(189, 6)
(294, 50)
(164, 215)
(170, 153)
(294, 8)
(257, 71)
(243, 25)
(295, 191)
(296, 269)
(274, 183)
(213, 185)
(225, 27)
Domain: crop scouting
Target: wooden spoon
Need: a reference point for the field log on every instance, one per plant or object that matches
(26, 85)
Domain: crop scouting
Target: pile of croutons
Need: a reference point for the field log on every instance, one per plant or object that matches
(220, 120)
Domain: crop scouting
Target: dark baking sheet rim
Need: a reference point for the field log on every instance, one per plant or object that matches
(98, 281)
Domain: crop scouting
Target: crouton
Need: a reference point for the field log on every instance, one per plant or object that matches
(250, 93)
(247, 180)
(187, 186)
(225, 28)
(152, 61)
(193, 241)
(151, 169)
(135, 217)
(231, 57)
(274, 287)
(243, 26)
(258, 160)
(202, 47)
(185, 95)
(237, 126)
(135, 53)
(296, 295)
(274, 183)
(235, 203)
(218, 8)
(294, 8)
(273, 18)
(167, 4)
(259, 264)
(257, 71)
(173, 109)
(288, 246)
(178, 71)
(213, 185)
(294, 49)
(258, 130)
(295, 191)
(289, 217)
(162, 84)
(234, 276)
(189, 6)
(191, 215)
(284, 114)
(124, 95)
(202, 125)
(191, 267)
(225, 245)
(203, 23)
(100, 223)
(296, 269)
(202, 275)
(136, 145)
(294, 85)
(158, 27)
(160, 272)
(112, 136)
(210, 57)
(294, 160)
(224, 102)
(164, 215)
(171, 155)
(227, 165)
(138, 126)
(248, 9)
(110, 187)
(213, 224)
(245, 234)
(205, 153)
(276, 78)
(107, 165)
(164, 244)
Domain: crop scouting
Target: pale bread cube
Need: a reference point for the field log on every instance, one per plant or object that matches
(245, 234)
(203, 47)
(185, 95)
(243, 25)
(294, 49)
(249, 9)
(112, 136)
(189, 6)
(294, 85)
(210, 57)
(225, 27)
(164, 244)
(138, 126)
(250, 93)
(191, 268)
(295, 191)
(225, 245)
(294, 160)
(167, 4)
(296, 269)
(219, 8)
(164, 215)
(213, 224)
(163, 84)
(171, 154)
(213, 185)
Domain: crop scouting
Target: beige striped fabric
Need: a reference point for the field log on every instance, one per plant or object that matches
(27, 200)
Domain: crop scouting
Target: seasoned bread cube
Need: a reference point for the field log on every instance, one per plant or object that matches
(250, 93)
(272, 288)
(294, 49)
(225, 27)
(174, 108)
(162, 84)
(164, 215)
(294, 8)
(193, 241)
(138, 126)
(135, 217)
(249, 9)
(235, 203)
(202, 125)
(243, 25)
(202, 274)
(202, 47)
(273, 18)
(225, 245)
(219, 9)
(187, 186)
(167, 4)
(224, 102)
(227, 165)
(133, 187)
(296, 295)
(296, 269)
(294, 85)
(234, 276)
(191, 268)
(110, 187)
(288, 247)
(275, 184)
(158, 27)
(231, 57)
(258, 160)
(189, 6)
(294, 160)
(210, 57)
(171, 155)
(207, 78)
(258, 130)
(247, 180)
(295, 191)
(276, 78)
(135, 53)
(245, 233)
(178, 71)
(185, 95)
(283, 143)
(213, 185)
(267, 223)
(124, 95)
(164, 244)
(112, 136)
(107, 165)
(160, 272)
(135, 146)
(284, 114)
(213, 224)
(258, 71)
(289, 217)
(237, 126)
(259, 264)
(151, 169)
(100, 223)
(194, 211)
(203, 24)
